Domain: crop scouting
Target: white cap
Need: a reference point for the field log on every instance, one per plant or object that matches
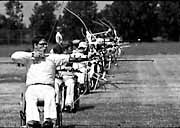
(82, 44)
(58, 38)
(76, 41)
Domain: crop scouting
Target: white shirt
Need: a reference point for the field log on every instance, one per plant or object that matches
(44, 70)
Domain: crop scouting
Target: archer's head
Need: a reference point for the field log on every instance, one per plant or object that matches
(40, 44)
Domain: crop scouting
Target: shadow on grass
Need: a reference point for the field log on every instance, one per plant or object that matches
(125, 81)
(12, 79)
(99, 91)
(91, 126)
(69, 126)
(82, 108)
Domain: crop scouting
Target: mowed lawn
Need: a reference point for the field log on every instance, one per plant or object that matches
(138, 93)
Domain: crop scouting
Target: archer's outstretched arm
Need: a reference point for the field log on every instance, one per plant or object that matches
(21, 57)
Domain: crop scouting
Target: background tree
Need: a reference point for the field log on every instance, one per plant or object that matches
(145, 25)
(122, 15)
(144, 19)
(169, 19)
(43, 18)
(14, 23)
(3, 29)
(3, 21)
(15, 14)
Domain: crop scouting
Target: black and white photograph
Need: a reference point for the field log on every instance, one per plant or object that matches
(90, 64)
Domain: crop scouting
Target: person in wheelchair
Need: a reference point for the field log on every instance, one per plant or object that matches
(92, 51)
(64, 82)
(68, 91)
(66, 75)
(81, 53)
(94, 65)
(40, 79)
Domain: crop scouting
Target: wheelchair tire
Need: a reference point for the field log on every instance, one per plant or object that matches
(76, 98)
(22, 111)
(86, 84)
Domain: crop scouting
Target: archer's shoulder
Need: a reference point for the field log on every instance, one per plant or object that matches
(21, 53)
(58, 55)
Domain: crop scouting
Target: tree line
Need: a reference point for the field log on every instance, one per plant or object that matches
(133, 20)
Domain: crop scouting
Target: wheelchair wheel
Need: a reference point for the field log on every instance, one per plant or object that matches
(95, 82)
(22, 111)
(76, 98)
(85, 88)
(92, 82)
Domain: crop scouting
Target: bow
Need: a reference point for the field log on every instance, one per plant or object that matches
(114, 30)
(77, 17)
(88, 34)
(102, 24)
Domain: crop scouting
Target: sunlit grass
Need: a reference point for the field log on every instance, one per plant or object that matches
(153, 48)
(9, 104)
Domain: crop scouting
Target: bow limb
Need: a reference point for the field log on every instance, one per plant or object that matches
(82, 32)
(101, 32)
(77, 17)
(88, 34)
(104, 23)
(98, 23)
(114, 30)
(108, 22)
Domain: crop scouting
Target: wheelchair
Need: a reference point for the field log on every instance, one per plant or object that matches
(60, 104)
(95, 72)
(83, 77)
(40, 105)
(76, 90)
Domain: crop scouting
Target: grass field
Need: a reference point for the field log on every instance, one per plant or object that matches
(138, 94)
(153, 48)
